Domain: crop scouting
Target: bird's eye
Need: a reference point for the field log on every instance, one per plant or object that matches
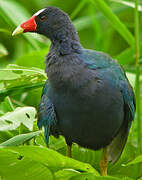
(43, 18)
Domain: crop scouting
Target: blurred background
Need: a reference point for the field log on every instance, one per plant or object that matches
(105, 27)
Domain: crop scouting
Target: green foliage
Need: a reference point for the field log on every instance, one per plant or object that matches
(17, 78)
(103, 25)
(3, 51)
(20, 139)
(114, 20)
(12, 120)
(130, 4)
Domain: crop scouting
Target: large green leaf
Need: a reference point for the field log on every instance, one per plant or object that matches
(115, 21)
(53, 160)
(20, 139)
(12, 120)
(15, 167)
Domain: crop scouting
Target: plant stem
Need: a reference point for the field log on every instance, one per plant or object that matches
(78, 8)
(9, 102)
(137, 49)
(97, 34)
(116, 23)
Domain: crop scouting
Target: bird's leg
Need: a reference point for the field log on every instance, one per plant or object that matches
(68, 151)
(104, 162)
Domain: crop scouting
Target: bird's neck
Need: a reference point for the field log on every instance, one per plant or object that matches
(63, 64)
(65, 40)
(62, 59)
(60, 51)
(65, 47)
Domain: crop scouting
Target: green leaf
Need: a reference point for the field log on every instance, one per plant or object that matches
(131, 77)
(119, 170)
(138, 159)
(33, 59)
(3, 51)
(86, 155)
(129, 4)
(36, 153)
(5, 31)
(66, 174)
(15, 167)
(20, 139)
(91, 176)
(19, 89)
(13, 72)
(17, 79)
(5, 135)
(69, 174)
(5, 107)
(12, 120)
(115, 21)
(127, 56)
(57, 144)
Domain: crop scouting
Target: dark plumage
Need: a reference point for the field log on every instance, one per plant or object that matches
(87, 97)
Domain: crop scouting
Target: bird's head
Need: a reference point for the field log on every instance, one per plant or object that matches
(51, 22)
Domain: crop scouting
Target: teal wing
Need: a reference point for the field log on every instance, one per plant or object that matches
(99, 60)
(46, 114)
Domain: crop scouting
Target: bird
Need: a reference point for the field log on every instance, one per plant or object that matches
(87, 97)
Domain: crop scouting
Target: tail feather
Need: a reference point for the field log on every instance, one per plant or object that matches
(116, 147)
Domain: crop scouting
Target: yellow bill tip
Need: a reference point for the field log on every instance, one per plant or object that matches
(17, 31)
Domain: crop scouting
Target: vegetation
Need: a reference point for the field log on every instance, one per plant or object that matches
(111, 26)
